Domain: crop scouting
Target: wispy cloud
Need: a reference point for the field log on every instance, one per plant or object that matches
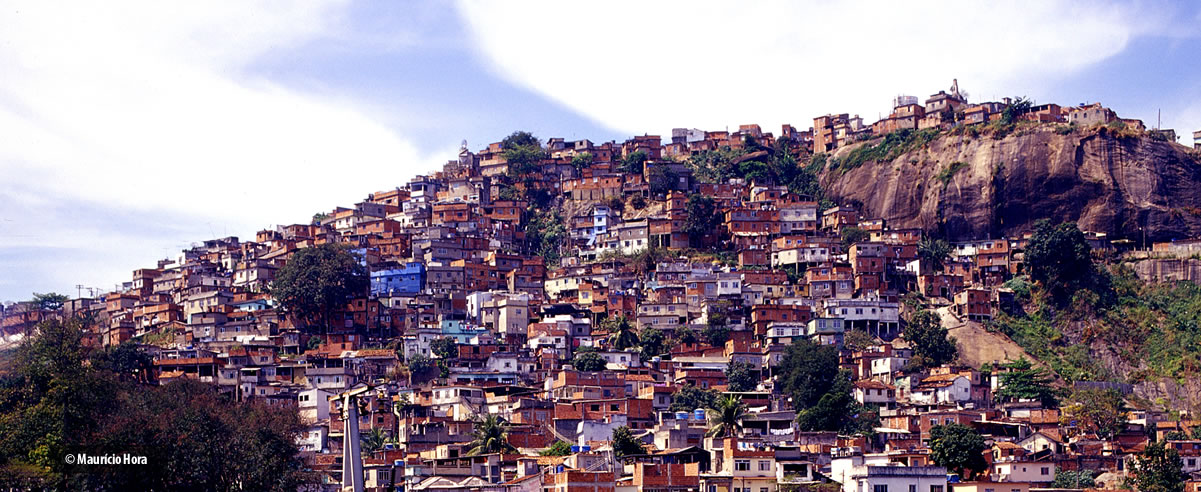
(153, 110)
(650, 66)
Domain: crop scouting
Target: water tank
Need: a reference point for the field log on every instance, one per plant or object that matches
(681, 415)
(559, 469)
(575, 449)
(698, 414)
(585, 448)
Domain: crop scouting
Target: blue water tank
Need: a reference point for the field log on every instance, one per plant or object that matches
(585, 448)
(559, 469)
(575, 449)
(681, 415)
(698, 414)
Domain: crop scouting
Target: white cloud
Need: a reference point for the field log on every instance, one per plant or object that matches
(650, 66)
(154, 107)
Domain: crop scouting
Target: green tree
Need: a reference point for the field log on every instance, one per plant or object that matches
(661, 179)
(959, 448)
(852, 235)
(314, 343)
(934, 251)
(1023, 381)
(421, 367)
(725, 418)
(652, 343)
(544, 234)
(686, 335)
(124, 360)
(808, 371)
(689, 398)
(373, 440)
(1059, 258)
(588, 361)
(1101, 411)
(559, 448)
(742, 376)
(1015, 109)
(702, 218)
(1158, 469)
(632, 163)
(638, 202)
(625, 444)
(621, 332)
(715, 331)
(858, 340)
(318, 282)
(319, 217)
(582, 161)
(444, 347)
(617, 204)
(928, 338)
(833, 411)
(50, 301)
(1073, 479)
(490, 434)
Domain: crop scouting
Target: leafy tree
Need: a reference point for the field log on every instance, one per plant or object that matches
(1175, 435)
(715, 166)
(519, 139)
(834, 410)
(808, 371)
(741, 376)
(857, 340)
(715, 331)
(1101, 411)
(632, 163)
(49, 301)
(373, 440)
(1023, 381)
(588, 361)
(652, 342)
(444, 347)
(958, 448)
(1058, 256)
(931, 346)
(689, 398)
(624, 442)
(318, 281)
(617, 204)
(661, 179)
(702, 218)
(490, 435)
(686, 335)
(582, 161)
(421, 367)
(544, 233)
(559, 448)
(934, 251)
(621, 332)
(638, 202)
(55, 402)
(315, 343)
(1073, 479)
(852, 235)
(124, 360)
(725, 417)
(1158, 469)
(1015, 109)
(319, 217)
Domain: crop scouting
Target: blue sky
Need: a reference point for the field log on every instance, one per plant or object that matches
(134, 129)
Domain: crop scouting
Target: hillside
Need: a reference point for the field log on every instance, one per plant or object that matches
(997, 181)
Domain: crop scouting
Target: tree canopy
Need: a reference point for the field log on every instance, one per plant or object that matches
(1059, 258)
(50, 301)
(1023, 381)
(588, 361)
(1158, 469)
(702, 218)
(319, 281)
(490, 434)
(1102, 411)
(958, 448)
(928, 338)
(624, 442)
(741, 376)
(808, 371)
(934, 251)
(725, 417)
(689, 398)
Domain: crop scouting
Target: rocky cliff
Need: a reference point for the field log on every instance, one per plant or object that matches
(969, 186)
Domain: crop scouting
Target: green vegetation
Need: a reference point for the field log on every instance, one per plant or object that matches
(1073, 479)
(651, 343)
(318, 282)
(888, 148)
(852, 235)
(624, 442)
(716, 332)
(1023, 381)
(559, 448)
(1158, 469)
(690, 398)
(741, 376)
(544, 233)
(1101, 411)
(928, 338)
(621, 332)
(490, 435)
(725, 417)
(444, 347)
(1015, 109)
(582, 160)
(632, 163)
(59, 399)
(948, 172)
(702, 219)
(49, 301)
(959, 448)
(588, 361)
(934, 251)
(715, 166)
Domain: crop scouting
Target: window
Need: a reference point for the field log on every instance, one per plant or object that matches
(764, 465)
(936, 488)
(1046, 470)
(742, 465)
(913, 488)
(880, 488)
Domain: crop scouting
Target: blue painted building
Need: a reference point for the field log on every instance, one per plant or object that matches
(404, 281)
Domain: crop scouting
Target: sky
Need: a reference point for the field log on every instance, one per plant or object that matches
(131, 130)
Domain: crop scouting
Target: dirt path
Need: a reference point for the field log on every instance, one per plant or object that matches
(977, 345)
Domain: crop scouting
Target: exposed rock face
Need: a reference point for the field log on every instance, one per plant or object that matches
(1101, 181)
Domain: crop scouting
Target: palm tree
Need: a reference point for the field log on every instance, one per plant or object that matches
(491, 435)
(621, 333)
(373, 440)
(726, 416)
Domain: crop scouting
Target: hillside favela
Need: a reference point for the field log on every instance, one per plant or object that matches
(961, 294)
